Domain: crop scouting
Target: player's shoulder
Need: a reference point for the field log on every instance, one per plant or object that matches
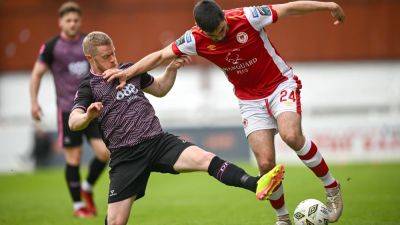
(86, 80)
(52, 41)
(236, 13)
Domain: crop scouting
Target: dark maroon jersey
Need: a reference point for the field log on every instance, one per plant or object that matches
(68, 65)
(127, 117)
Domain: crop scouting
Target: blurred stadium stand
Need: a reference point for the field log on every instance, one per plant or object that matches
(350, 76)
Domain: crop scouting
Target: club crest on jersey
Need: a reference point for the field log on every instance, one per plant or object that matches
(242, 37)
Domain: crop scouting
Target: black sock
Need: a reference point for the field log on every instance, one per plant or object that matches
(105, 221)
(96, 167)
(231, 175)
(74, 182)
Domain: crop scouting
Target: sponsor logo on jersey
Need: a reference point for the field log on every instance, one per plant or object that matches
(238, 65)
(79, 68)
(128, 91)
(233, 57)
(264, 10)
(242, 37)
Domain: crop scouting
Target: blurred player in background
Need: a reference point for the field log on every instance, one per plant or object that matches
(63, 56)
(266, 87)
(134, 135)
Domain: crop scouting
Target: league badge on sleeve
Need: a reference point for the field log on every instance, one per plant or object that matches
(180, 41)
(264, 10)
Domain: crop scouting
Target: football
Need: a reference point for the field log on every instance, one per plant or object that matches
(311, 212)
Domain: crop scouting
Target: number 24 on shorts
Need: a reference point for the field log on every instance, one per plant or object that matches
(284, 98)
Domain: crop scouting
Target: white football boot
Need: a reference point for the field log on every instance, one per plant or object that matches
(334, 203)
(283, 220)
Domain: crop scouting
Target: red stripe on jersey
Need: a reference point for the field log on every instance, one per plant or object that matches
(274, 14)
(268, 107)
(176, 50)
(298, 96)
(311, 153)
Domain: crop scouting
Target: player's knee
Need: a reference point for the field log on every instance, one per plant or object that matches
(204, 159)
(72, 158)
(116, 220)
(265, 166)
(292, 138)
(103, 156)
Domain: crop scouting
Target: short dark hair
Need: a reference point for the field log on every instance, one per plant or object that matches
(208, 15)
(68, 7)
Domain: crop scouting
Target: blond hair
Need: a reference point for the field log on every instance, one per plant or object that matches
(68, 7)
(93, 40)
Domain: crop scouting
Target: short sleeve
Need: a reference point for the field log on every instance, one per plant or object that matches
(146, 80)
(185, 45)
(46, 52)
(260, 16)
(84, 96)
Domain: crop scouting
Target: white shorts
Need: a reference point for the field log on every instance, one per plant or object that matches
(261, 114)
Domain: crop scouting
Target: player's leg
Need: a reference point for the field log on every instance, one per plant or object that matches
(289, 124)
(286, 107)
(72, 176)
(118, 212)
(262, 144)
(96, 167)
(260, 128)
(194, 158)
(101, 155)
(71, 142)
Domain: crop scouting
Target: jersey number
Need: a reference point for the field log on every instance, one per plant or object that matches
(284, 94)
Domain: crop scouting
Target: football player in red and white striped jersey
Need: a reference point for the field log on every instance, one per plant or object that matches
(265, 85)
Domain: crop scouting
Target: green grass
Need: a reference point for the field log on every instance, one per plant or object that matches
(371, 194)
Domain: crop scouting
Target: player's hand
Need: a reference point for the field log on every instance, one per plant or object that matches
(179, 62)
(112, 74)
(94, 110)
(36, 111)
(338, 14)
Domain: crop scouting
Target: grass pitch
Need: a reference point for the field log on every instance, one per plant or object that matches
(371, 195)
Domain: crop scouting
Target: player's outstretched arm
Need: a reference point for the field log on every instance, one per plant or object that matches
(79, 119)
(148, 63)
(304, 7)
(163, 84)
(39, 69)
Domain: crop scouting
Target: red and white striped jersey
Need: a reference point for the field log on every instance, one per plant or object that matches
(246, 55)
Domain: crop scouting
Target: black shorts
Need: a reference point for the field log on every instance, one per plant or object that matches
(131, 167)
(69, 138)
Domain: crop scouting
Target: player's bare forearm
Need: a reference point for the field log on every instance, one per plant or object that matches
(151, 62)
(38, 71)
(305, 7)
(78, 120)
(163, 84)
